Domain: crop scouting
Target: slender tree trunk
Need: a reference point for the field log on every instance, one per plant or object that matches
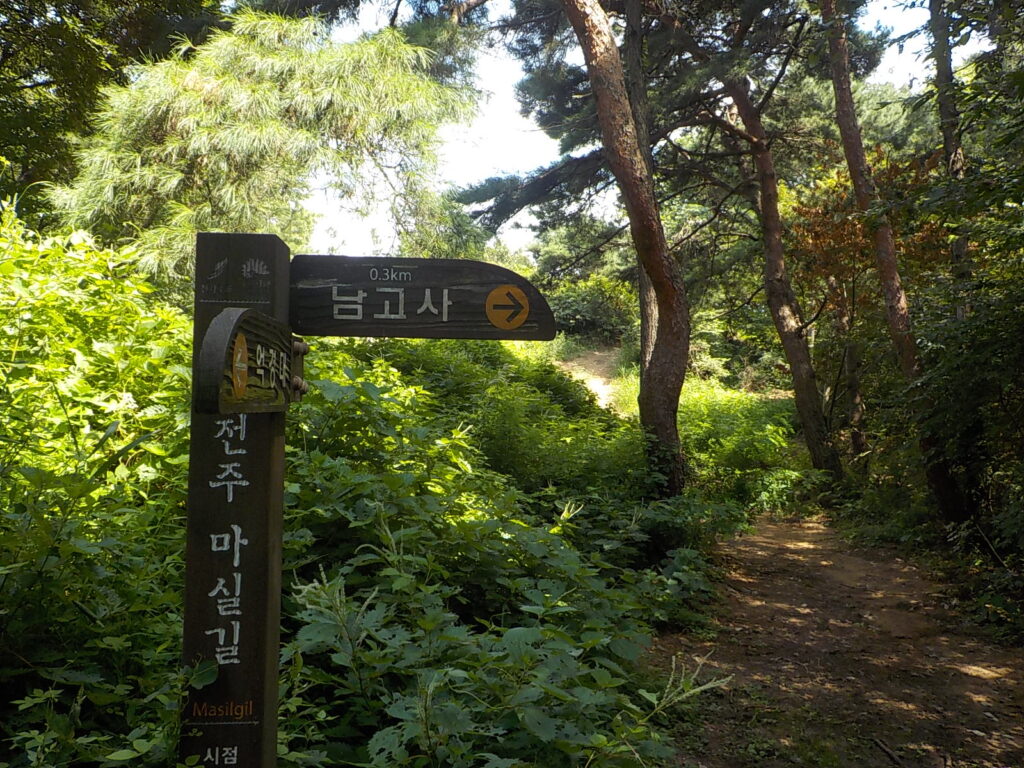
(949, 124)
(855, 399)
(636, 87)
(663, 379)
(943, 484)
(896, 307)
(781, 299)
(852, 355)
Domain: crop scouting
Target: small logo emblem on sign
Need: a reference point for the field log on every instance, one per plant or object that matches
(255, 268)
(239, 366)
(507, 307)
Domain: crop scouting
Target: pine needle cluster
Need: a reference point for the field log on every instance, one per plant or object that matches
(228, 136)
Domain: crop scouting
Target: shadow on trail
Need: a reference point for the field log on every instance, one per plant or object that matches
(844, 659)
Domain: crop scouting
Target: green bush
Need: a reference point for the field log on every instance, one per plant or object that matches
(739, 444)
(93, 387)
(436, 613)
(598, 308)
(529, 420)
(432, 625)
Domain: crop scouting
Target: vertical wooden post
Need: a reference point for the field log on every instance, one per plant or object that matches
(233, 549)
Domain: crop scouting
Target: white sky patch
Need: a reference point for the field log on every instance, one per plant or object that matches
(908, 64)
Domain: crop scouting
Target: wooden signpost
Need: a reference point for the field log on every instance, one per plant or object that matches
(246, 369)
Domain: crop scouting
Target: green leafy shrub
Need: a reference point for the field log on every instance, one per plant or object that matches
(529, 420)
(93, 387)
(599, 308)
(436, 614)
(432, 625)
(739, 444)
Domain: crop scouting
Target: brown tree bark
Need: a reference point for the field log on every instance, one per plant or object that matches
(781, 299)
(943, 484)
(663, 379)
(636, 88)
(949, 124)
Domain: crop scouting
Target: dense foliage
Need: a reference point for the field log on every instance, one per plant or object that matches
(56, 58)
(93, 385)
(227, 136)
(448, 603)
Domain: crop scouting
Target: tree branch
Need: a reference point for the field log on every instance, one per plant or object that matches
(511, 24)
(37, 84)
(457, 11)
(804, 326)
(710, 118)
(741, 305)
(517, 196)
(790, 51)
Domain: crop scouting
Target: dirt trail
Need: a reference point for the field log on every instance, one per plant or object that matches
(846, 659)
(596, 368)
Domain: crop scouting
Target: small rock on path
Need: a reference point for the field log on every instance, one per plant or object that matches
(844, 659)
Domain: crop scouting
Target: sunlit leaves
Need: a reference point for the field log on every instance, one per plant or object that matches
(228, 136)
(90, 371)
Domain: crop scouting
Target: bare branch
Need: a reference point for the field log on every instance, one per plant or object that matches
(458, 11)
(804, 326)
(790, 51)
(741, 305)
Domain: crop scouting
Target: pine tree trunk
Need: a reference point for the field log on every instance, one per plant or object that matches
(663, 377)
(648, 319)
(636, 88)
(940, 477)
(949, 124)
(852, 355)
(781, 299)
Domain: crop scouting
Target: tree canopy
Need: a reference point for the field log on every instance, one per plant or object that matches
(55, 58)
(229, 135)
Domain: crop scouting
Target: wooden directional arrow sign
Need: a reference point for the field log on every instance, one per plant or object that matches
(415, 298)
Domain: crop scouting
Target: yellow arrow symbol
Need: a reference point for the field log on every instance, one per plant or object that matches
(507, 307)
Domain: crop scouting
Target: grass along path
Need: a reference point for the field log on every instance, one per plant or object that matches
(844, 659)
(838, 657)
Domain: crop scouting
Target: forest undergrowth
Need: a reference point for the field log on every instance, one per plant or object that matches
(475, 555)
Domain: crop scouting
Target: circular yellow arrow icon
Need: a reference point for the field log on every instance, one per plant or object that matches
(507, 307)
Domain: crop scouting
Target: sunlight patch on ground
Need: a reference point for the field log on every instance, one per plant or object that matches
(905, 706)
(801, 545)
(984, 673)
(979, 698)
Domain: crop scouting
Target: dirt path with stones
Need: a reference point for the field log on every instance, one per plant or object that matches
(842, 658)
